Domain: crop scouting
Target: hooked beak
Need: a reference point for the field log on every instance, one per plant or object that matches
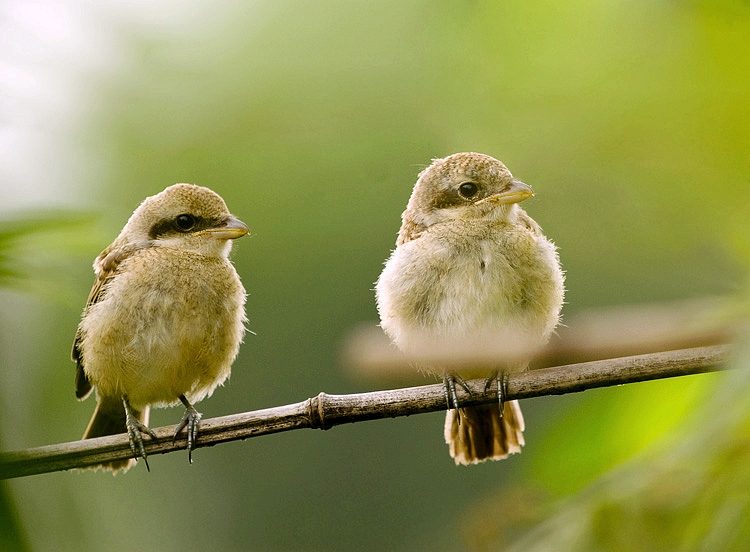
(517, 192)
(230, 229)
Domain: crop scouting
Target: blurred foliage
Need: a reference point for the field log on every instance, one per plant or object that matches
(34, 248)
(688, 494)
(589, 450)
(12, 538)
(312, 120)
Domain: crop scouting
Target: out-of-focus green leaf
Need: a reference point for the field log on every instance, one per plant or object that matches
(688, 493)
(33, 248)
(613, 425)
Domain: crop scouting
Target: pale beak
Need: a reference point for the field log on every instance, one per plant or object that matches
(517, 192)
(230, 229)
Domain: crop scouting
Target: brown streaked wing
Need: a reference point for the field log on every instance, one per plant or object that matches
(105, 266)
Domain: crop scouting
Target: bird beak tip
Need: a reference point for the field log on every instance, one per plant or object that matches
(232, 228)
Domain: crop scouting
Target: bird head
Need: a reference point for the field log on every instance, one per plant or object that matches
(187, 217)
(465, 186)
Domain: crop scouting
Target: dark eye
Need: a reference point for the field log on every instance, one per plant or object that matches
(468, 189)
(185, 222)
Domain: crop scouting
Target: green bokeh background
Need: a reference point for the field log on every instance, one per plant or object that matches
(312, 120)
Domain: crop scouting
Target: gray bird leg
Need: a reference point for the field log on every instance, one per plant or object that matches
(189, 420)
(449, 390)
(135, 432)
(502, 387)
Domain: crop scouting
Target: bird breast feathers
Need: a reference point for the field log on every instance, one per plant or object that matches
(451, 286)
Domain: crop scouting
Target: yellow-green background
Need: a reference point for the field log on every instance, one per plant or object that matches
(312, 119)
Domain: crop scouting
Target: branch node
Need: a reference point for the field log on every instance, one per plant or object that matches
(316, 412)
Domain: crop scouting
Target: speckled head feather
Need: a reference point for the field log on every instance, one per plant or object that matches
(463, 185)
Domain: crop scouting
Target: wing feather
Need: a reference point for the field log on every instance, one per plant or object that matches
(105, 267)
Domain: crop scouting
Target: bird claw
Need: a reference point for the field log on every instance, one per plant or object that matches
(449, 389)
(502, 387)
(190, 420)
(135, 433)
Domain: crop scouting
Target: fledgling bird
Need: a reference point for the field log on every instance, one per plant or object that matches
(165, 317)
(470, 266)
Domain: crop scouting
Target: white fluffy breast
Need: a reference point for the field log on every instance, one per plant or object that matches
(449, 285)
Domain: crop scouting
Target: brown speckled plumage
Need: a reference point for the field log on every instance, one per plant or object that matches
(471, 264)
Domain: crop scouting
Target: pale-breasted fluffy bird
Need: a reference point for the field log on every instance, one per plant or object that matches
(165, 317)
(470, 266)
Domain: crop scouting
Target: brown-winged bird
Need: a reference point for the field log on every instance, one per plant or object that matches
(165, 317)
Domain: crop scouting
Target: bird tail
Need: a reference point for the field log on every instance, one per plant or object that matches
(109, 419)
(482, 434)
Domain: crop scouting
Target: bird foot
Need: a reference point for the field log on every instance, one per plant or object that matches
(190, 420)
(502, 387)
(449, 389)
(135, 433)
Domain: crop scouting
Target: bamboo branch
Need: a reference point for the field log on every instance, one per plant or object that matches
(325, 411)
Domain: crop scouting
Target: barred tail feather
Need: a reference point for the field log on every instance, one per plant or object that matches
(482, 434)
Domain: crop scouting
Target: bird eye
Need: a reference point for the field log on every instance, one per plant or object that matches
(468, 189)
(185, 222)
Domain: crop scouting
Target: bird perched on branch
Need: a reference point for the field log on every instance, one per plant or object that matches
(471, 270)
(165, 317)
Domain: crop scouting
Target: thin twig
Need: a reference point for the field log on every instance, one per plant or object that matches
(326, 411)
